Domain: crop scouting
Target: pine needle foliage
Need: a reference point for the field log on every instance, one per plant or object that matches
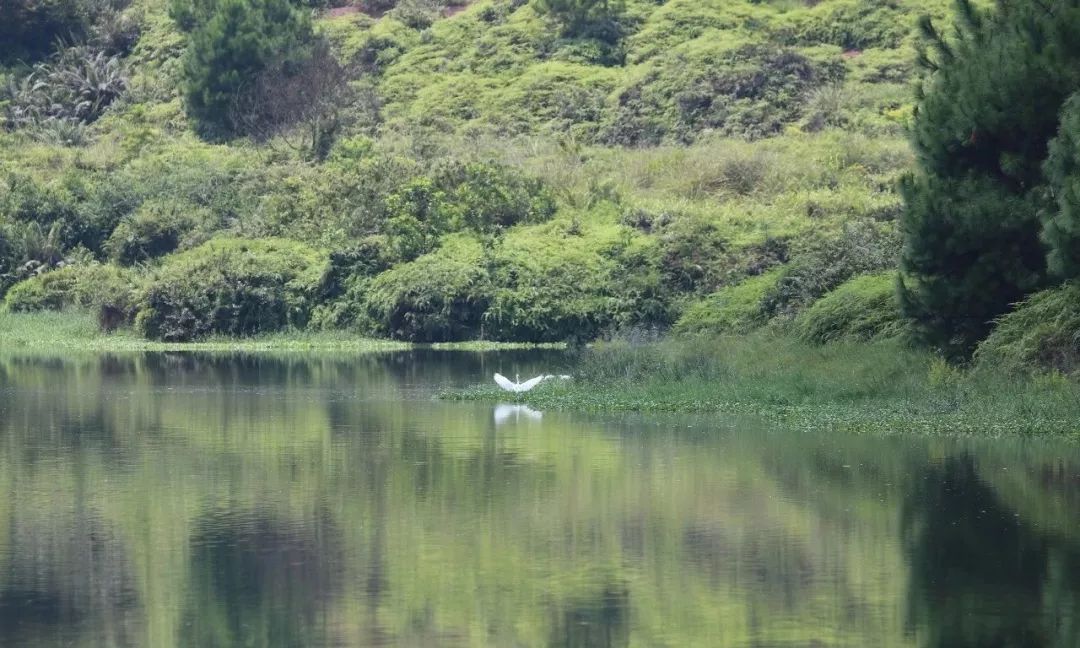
(241, 39)
(1061, 226)
(988, 107)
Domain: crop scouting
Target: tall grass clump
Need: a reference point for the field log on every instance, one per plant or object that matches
(1042, 333)
(757, 368)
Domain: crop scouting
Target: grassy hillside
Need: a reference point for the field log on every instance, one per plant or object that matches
(494, 176)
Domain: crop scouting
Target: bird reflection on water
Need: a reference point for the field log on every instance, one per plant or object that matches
(506, 413)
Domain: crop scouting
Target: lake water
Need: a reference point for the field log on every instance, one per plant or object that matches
(166, 500)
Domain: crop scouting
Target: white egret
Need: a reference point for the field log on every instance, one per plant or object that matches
(522, 387)
(517, 387)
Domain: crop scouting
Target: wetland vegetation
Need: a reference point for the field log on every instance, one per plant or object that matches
(878, 388)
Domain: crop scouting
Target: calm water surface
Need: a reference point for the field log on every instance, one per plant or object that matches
(187, 500)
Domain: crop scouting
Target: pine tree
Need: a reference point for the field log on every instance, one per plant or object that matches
(988, 107)
(1061, 227)
(227, 52)
(30, 29)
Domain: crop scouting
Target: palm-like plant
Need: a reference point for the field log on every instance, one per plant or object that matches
(75, 86)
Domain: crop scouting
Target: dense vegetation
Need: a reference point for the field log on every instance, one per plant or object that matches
(539, 170)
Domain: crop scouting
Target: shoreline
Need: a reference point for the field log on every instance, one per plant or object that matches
(47, 332)
(853, 387)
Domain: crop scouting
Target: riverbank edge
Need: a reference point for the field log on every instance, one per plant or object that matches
(825, 416)
(883, 387)
(49, 332)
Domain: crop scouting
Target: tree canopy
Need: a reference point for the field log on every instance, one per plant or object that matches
(988, 109)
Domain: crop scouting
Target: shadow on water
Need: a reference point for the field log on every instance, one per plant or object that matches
(257, 582)
(602, 622)
(204, 500)
(982, 575)
(66, 580)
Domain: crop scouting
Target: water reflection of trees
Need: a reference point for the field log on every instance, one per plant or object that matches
(981, 574)
(66, 577)
(602, 621)
(266, 500)
(254, 581)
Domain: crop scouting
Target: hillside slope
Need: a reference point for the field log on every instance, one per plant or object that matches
(493, 176)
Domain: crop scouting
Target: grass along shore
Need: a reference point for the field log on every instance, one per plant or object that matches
(857, 387)
(48, 331)
(882, 387)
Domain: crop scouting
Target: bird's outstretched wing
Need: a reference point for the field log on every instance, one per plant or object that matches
(505, 383)
(529, 384)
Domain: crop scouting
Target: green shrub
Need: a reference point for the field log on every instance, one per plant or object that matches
(344, 290)
(438, 297)
(48, 212)
(418, 214)
(851, 25)
(1043, 332)
(557, 282)
(490, 197)
(48, 291)
(190, 14)
(642, 300)
(232, 287)
(590, 18)
(25, 250)
(155, 230)
(329, 205)
(222, 183)
(484, 198)
(864, 308)
(825, 263)
(751, 91)
(694, 256)
(103, 288)
(371, 45)
(417, 14)
(734, 309)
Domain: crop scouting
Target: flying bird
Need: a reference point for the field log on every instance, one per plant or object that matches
(522, 387)
(517, 387)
